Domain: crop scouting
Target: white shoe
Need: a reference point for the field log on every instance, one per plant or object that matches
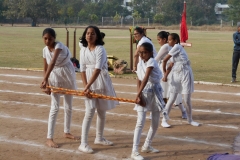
(85, 149)
(136, 156)
(184, 115)
(165, 115)
(149, 149)
(103, 142)
(164, 124)
(196, 124)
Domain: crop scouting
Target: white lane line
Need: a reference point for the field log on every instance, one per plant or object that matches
(116, 84)
(187, 139)
(4, 139)
(20, 76)
(23, 84)
(215, 92)
(114, 113)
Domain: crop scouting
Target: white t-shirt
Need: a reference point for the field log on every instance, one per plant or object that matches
(63, 57)
(178, 54)
(145, 39)
(154, 76)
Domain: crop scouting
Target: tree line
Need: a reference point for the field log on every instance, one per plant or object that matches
(164, 12)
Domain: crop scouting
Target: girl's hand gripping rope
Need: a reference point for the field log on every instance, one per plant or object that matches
(87, 93)
(140, 101)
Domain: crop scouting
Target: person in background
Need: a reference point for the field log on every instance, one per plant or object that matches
(181, 79)
(236, 53)
(162, 38)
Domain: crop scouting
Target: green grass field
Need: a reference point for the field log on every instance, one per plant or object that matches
(210, 54)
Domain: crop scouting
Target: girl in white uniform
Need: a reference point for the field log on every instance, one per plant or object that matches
(58, 72)
(162, 38)
(95, 77)
(150, 92)
(181, 80)
(141, 38)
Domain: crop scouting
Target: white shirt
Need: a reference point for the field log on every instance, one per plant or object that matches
(154, 76)
(64, 55)
(178, 54)
(145, 39)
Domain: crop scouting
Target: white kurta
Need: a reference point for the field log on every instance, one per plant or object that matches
(181, 79)
(152, 93)
(63, 73)
(97, 59)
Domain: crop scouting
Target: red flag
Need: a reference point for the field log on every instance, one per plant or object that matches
(184, 31)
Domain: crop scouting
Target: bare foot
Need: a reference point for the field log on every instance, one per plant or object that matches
(70, 136)
(52, 144)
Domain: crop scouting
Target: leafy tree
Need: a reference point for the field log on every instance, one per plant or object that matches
(12, 11)
(93, 18)
(2, 8)
(233, 12)
(136, 16)
(172, 10)
(146, 8)
(158, 18)
(36, 9)
(117, 18)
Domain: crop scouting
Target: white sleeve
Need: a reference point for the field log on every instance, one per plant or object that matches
(82, 63)
(59, 45)
(175, 50)
(101, 57)
(162, 53)
(150, 63)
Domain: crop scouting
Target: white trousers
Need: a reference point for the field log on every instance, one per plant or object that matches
(89, 113)
(187, 100)
(139, 127)
(55, 100)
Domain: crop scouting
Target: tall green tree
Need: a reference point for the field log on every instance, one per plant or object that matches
(171, 10)
(2, 8)
(36, 9)
(147, 8)
(233, 12)
(12, 10)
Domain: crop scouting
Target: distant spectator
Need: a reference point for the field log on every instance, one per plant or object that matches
(236, 53)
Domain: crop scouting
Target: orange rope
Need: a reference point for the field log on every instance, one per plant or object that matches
(81, 93)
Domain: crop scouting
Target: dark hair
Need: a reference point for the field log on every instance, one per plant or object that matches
(49, 31)
(99, 40)
(148, 46)
(175, 36)
(102, 34)
(163, 35)
(141, 31)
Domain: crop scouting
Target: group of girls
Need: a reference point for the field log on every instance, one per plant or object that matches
(160, 89)
(59, 72)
